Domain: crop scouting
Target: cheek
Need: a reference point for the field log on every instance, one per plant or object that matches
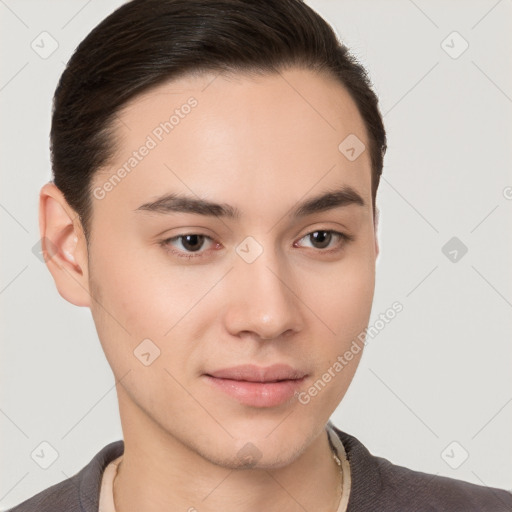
(142, 293)
(343, 301)
(142, 296)
(345, 307)
(342, 297)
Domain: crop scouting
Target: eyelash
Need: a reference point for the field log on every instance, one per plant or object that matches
(343, 237)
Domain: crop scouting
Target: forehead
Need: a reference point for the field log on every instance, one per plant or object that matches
(237, 136)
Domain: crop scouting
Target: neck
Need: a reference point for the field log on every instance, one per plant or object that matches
(158, 472)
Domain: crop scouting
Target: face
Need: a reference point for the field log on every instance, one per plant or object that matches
(182, 294)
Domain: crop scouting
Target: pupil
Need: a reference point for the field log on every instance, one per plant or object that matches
(324, 240)
(196, 241)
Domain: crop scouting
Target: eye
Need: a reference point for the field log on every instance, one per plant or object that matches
(322, 239)
(191, 243)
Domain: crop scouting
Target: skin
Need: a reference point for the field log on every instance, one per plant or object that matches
(261, 144)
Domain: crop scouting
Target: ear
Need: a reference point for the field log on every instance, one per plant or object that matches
(63, 246)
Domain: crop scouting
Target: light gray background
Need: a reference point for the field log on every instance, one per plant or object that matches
(438, 373)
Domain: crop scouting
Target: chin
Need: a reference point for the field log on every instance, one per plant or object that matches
(251, 456)
(258, 448)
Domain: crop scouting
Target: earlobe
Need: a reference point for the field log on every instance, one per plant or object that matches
(63, 246)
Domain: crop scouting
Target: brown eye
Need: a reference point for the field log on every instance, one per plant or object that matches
(192, 242)
(191, 245)
(322, 238)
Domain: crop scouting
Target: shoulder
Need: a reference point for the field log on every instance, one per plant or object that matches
(378, 484)
(61, 496)
(425, 491)
(78, 493)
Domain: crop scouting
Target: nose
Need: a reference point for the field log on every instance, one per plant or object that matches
(263, 300)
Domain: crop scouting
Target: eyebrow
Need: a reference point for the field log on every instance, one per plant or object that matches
(172, 202)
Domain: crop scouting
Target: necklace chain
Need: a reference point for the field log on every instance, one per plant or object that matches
(340, 468)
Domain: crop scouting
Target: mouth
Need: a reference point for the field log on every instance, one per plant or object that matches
(258, 386)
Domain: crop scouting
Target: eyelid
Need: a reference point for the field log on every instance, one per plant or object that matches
(337, 228)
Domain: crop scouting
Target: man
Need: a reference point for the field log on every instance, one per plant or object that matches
(215, 166)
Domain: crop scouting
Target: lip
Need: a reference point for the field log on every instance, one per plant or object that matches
(258, 386)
